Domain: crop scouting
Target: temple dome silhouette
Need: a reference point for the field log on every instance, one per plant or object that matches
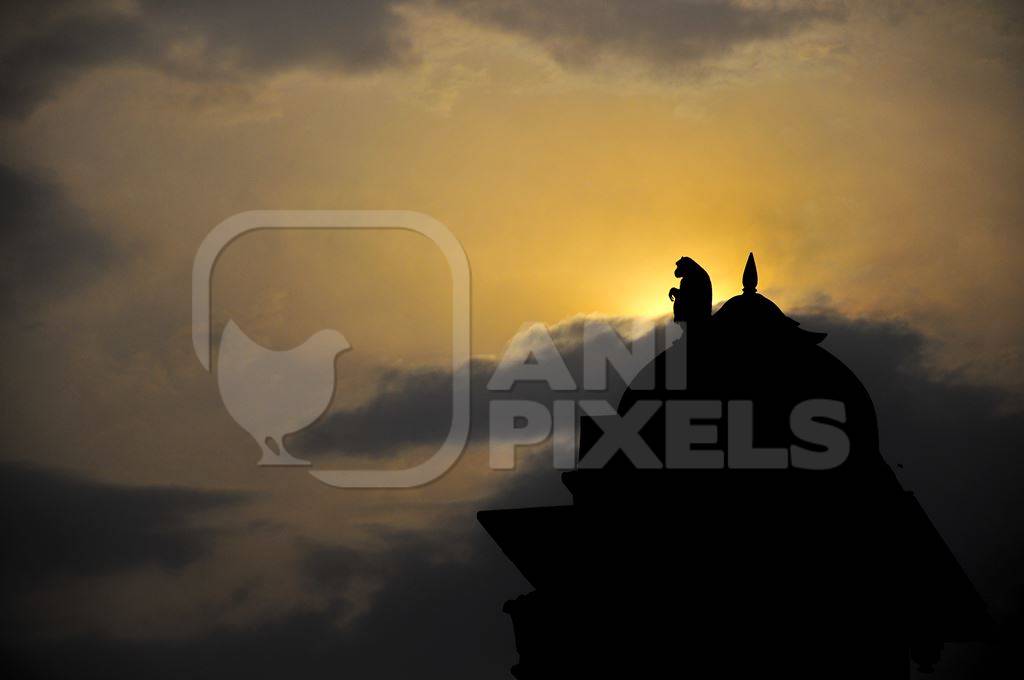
(753, 312)
(731, 569)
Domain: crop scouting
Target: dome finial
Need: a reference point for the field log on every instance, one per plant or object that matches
(750, 275)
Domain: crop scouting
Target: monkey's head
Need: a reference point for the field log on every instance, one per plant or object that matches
(684, 266)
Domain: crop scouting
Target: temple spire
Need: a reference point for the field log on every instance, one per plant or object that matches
(750, 275)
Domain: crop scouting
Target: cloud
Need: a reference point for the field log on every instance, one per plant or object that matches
(48, 244)
(437, 617)
(662, 32)
(44, 45)
(420, 400)
(57, 524)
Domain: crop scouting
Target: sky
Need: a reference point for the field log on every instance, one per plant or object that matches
(868, 153)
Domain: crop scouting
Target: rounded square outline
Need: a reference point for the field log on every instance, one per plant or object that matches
(242, 223)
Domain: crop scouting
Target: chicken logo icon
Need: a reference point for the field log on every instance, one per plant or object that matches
(271, 393)
(275, 393)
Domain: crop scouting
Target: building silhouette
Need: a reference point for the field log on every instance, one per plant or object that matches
(725, 571)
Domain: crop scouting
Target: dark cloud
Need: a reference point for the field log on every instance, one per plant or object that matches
(56, 524)
(420, 401)
(45, 44)
(49, 246)
(663, 32)
(437, 618)
(327, 568)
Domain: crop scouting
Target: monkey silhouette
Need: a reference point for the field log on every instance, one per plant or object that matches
(692, 299)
